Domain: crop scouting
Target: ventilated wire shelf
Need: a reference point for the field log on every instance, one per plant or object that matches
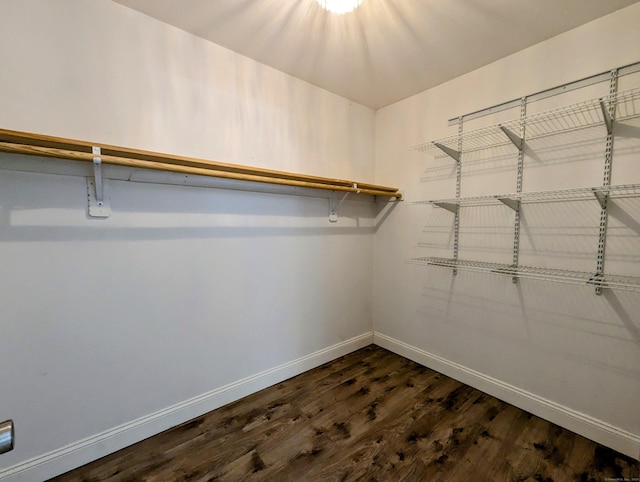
(564, 119)
(628, 105)
(601, 114)
(620, 191)
(491, 136)
(625, 283)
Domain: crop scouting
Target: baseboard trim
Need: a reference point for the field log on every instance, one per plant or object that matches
(91, 448)
(578, 422)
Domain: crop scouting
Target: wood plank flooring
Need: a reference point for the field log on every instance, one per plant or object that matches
(370, 415)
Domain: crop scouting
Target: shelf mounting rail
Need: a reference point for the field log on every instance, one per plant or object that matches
(609, 115)
(544, 94)
(98, 188)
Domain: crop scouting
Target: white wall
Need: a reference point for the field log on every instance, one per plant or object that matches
(183, 290)
(186, 291)
(558, 350)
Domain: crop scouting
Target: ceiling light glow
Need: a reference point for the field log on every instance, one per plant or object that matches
(339, 6)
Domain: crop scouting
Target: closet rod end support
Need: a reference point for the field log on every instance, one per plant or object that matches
(333, 208)
(102, 208)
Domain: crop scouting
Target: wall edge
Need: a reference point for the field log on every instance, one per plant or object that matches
(59, 461)
(590, 427)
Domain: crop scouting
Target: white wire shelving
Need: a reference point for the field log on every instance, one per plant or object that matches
(513, 199)
(569, 118)
(604, 115)
(624, 283)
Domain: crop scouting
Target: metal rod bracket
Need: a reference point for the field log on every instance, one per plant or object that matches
(97, 173)
(98, 189)
(333, 208)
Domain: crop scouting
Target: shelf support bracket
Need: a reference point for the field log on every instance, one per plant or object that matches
(517, 141)
(602, 198)
(512, 203)
(451, 207)
(98, 189)
(607, 117)
(448, 151)
(333, 208)
(97, 174)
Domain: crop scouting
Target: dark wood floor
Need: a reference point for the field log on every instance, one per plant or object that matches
(371, 415)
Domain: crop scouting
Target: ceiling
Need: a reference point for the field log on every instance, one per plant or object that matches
(384, 51)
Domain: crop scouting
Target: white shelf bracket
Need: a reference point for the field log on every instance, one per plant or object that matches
(602, 198)
(97, 174)
(333, 208)
(512, 203)
(448, 206)
(607, 117)
(98, 189)
(517, 140)
(448, 151)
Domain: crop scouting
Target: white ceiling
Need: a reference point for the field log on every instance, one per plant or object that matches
(384, 51)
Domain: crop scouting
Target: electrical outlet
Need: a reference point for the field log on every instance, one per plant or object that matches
(7, 436)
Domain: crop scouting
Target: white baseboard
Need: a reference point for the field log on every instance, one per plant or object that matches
(84, 451)
(580, 423)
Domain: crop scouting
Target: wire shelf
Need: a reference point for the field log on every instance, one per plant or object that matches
(564, 119)
(619, 191)
(628, 105)
(491, 136)
(625, 283)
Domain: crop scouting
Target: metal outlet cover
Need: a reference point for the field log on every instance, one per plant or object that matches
(7, 436)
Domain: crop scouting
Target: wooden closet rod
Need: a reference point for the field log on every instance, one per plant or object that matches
(40, 145)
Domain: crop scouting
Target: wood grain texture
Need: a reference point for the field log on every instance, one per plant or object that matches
(63, 148)
(370, 415)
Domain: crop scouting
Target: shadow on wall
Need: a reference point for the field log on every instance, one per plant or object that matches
(567, 148)
(38, 207)
(533, 322)
(618, 306)
(557, 320)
